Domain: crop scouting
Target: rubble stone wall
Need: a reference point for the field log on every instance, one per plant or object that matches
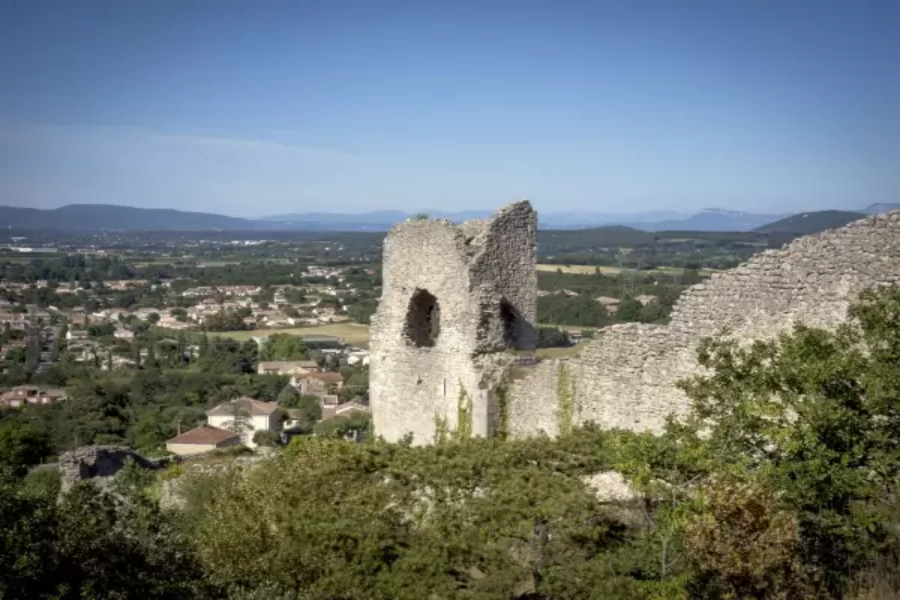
(100, 463)
(626, 376)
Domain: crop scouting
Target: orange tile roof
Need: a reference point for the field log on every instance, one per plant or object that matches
(251, 405)
(203, 435)
(327, 376)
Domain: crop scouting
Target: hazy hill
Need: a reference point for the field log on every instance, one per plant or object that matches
(375, 218)
(708, 220)
(811, 222)
(877, 209)
(598, 237)
(113, 217)
(714, 220)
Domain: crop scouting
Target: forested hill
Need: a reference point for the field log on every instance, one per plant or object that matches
(612, 236)
(114, 217)
(811, 222)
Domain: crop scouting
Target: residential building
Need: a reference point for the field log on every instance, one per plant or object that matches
(358, 357)
(31, 394)
(285, 367)
(245, 416)
(317, 383)
(344, 411)
(172, 323)
(17, 321)
(124, 334)
(202, 439)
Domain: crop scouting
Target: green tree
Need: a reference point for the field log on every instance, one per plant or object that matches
(628, 310)
(493, 519)
(309, 408)
(652, 312)
(809, 418)
(288, 396)
(225, 320)
(150, 431)
(283, 346)
(362, 311)
(93, 545)
(355, 426)
(266, 438)
(21, 446)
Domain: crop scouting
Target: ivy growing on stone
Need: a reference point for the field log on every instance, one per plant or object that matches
(501, 397)
(565, 398)
(441, 429)
(463, 414)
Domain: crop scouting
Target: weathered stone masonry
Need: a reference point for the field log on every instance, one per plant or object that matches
(458, 300)
(624, 378)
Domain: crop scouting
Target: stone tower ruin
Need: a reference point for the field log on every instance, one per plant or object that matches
(457, 310)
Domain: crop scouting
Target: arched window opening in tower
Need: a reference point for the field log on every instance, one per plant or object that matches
(423, 319)
(509, 323)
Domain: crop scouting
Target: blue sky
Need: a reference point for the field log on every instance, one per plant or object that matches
(259, 107)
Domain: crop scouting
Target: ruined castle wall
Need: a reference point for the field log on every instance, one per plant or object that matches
(409, 386)
(504, 279)
(533, 402)
(101, 464)
(468, 269)
(626, 377)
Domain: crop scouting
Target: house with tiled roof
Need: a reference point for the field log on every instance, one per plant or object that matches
(285, 367)
(202, 439)
(344, 411)
(30, 394)
(245, 416)
(317, 383)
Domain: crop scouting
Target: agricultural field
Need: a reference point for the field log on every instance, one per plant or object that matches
(358, 335)
(579, 269)
(352, 333)
(591, 269)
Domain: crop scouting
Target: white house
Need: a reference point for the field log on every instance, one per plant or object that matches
(358, 357)
(124, 334)
(245, 416)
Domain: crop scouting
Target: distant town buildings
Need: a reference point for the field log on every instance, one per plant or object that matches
(21, 395)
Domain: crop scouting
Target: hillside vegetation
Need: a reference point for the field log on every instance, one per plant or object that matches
(781, 485)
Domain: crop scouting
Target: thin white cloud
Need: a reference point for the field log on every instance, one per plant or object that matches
(53, 137)
(255, 146)
(145, 167)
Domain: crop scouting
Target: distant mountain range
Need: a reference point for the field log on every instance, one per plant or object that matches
(114, 217)
(111, 217)
(708, 220)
